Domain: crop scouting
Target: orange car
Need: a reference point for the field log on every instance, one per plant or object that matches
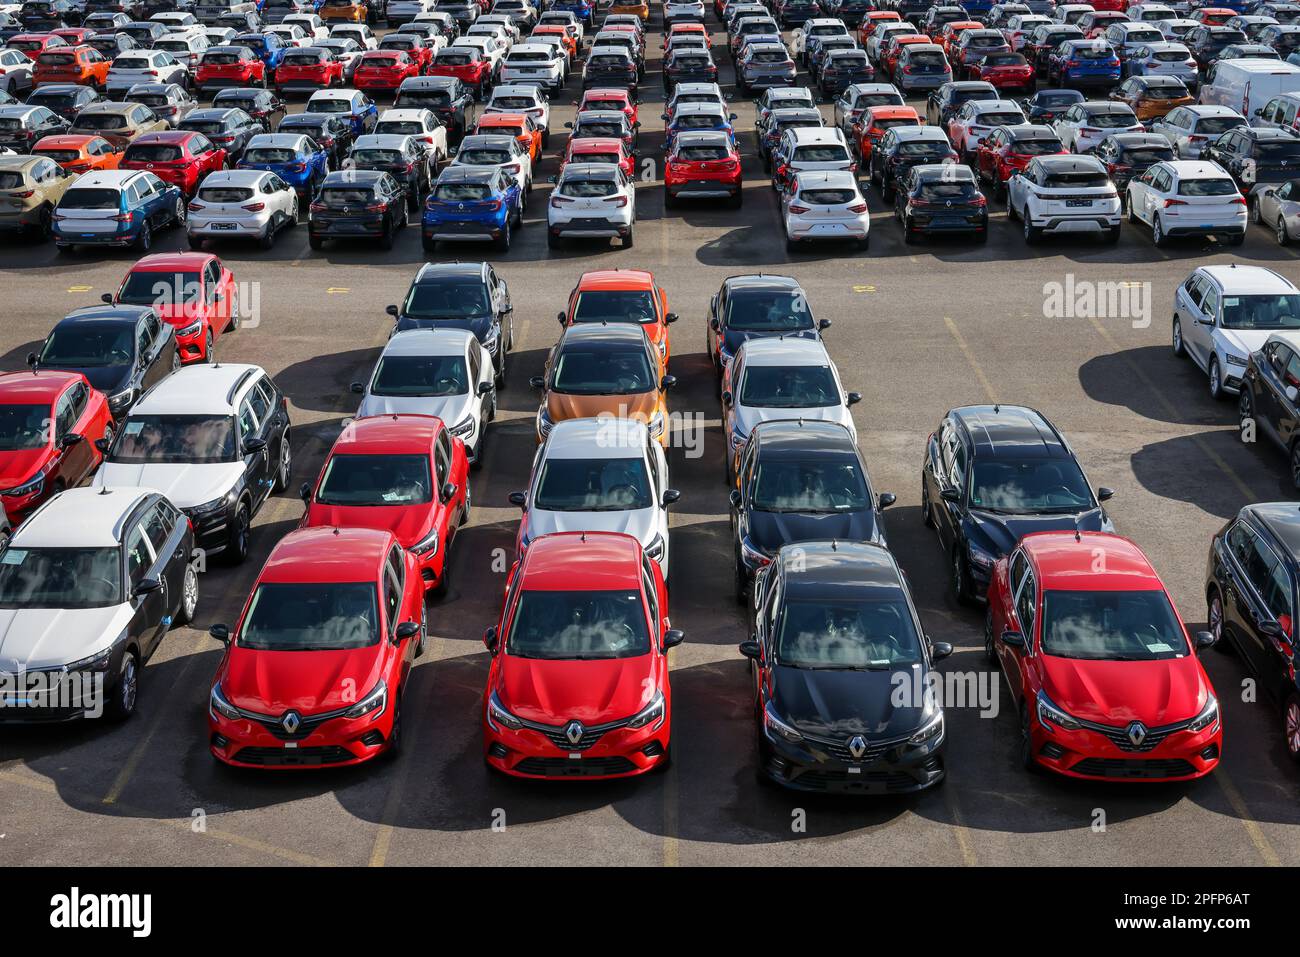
(596, 371)
(344, 11)
(519, 125)
(79, 153)
(687, 30)
(1151, 97)
(622, 295)
(567, 39)
(952, 33)
(82, 65)
(874, 19)
(875, 120)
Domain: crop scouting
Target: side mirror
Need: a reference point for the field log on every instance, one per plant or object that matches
(490, 639)
(885, 500)
(732, 117)
(673, 637)
(568, 126)
(950, 495)
(751, 649)
(667, 382)
(552, 179)
(1204, 639)
(727, 398)
(1270, 629)
(69, 440)
(106, 298)
(253, 446)
(735, 498)
(559, 317)
(484, 388)
(407, 629)
(220, 632)
(824, 324)
(853, 398)
(103, 445)
(145, 586)
(670, 496)
(940, 650)
(357, 388)
(1104, 493)
(392, 311)
(32, 359)
(537, 382)
(519, 498)
(1013, 639)
(447, 491)
(670, 318)
(304, 492)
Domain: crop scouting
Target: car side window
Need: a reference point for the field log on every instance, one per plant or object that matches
(259, 403)
(1016, 570)
(442, 459)
(248, 422)
(1210, 305)
(78, 397)
(139, 555)
(1269, 578)
(1026, 606)
(1291, 377)
(143, 340)
(651, 595)
(392, 600)
(158, 526)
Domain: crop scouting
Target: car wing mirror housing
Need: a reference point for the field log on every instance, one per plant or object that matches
(752, 649)
(1205, 639)
(490, 639)
(673, 637)
(1104, 494)
(1013, 639)
(940, 650)
(407, 629)
(221, 633)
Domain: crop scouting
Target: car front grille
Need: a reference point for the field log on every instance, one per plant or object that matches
(556, 734)
(1119, 736)
(830, 780)
(1127, 768)
(839, 750)
(569, 768)
(291, 757)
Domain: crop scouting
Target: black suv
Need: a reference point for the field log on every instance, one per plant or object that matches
(65, 99)
(332, 133)
(357, 204)
(262, 105)
(446, 97)
(229, 129)
(943, 104)
(1269, 155)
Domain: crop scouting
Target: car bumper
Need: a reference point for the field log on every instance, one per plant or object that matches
(620, 753)
(1090, 223)
(20, 220)
(850, 228)
(704, 189)
(462, 231)
(68, 238)
(590, 228)
(769, 82)
(338, 742)
(923, 82)
(1087, 754)
(326, 229)
(901, 769)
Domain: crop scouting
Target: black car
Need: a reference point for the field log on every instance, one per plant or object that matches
(754, 307)
(332, 133)
(65, 99)
(121, 350)
(1250, 587)
(841, 69)
(941, 199)
(1046, 105)
(145, 33)
(446, 97)
(903, 147)
(942, 104)
(111, 43)
(850, 11)
(612, 67)
(800, 480)
(37, 15)
(132, 8)
(239, 22)
(1207, 42)
(1046, 38)
(227, 128)
(1255, 157)
(1268, 404)
(689, 66)
(836, 635)
(461, 295)
(994, 473)
(401, 157)
(794, 13)
(357, 205)
(262, 105)
(1131, 154)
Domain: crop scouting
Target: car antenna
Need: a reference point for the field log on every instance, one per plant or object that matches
(1077, 536)
(336, 530)
(104, 490)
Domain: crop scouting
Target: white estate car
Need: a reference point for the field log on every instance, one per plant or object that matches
(591, 201)
(1085, 125)
(1188, 198)
(143, 66)
(1224, 313)
(242, 204)
(825, 205)
(421, 125)
(1189, 129)
(1064, 194)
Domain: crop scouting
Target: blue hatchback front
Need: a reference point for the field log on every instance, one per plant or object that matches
(470, 203)
(295, 158)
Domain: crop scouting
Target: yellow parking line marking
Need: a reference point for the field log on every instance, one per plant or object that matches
(1253, 830)
(338, 290)
(864, 287)
(971, 360)
(80, 288)
(959, 829)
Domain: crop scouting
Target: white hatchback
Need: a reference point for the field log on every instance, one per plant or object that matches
(825, 205)
(241, 204)
(1188, 198)
(591, 200)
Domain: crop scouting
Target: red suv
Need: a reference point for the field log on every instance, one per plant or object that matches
(578, 684)
(1106, 680)
(703, 164)
(314, 672)
(180, 157)
(403, 473)
(230, 66)
(383, 70)
(466, 64)
(194, 292)
(49, 425)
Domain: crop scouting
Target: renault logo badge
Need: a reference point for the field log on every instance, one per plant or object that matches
(573, 731)
(857, 746)
(1137, 733)
(291, 722)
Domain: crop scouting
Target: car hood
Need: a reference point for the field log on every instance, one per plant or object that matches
(746, 417)
(593, 692)
(451, 409)
(733, 340)
(479, 325)
(998, 534)
(1243, 342)
(19, 466)
(839, 704)
(408, 523)
(272, 682)
(561, 406)
(185, 485)
(639, 522)
(1117, 692)
(768, 531)
(48, 637)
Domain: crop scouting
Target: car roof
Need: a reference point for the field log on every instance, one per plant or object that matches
(292, 140)
(815, 134)
(199, 389)
(391, 434)
(601, 561)
(827, 178)
(80, 518)
(595, 170)
(1069, 163)
(353, 177)
(593, 438)
(325, 554)
(106, 178)
(490, 139)
(106, 314)
(1247, 280)
(1196, 169)
(35, 388)
(235, 177)
(827, 569)
(800, 436)
(429, 342)
(616, 279)
(1010, 431)
(1070, 560)
(382, 141)
(432, 271)
(780, 351)
(1282, 519)
(614, 333)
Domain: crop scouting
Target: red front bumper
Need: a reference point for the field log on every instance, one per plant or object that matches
(339, 742)
(1182, 756)
(619, 753)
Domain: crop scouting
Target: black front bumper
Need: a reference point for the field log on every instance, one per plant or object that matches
(902, 769)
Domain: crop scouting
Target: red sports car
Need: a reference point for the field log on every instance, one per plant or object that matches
(402, 473)
(1107, 683)
(49, 424)
(383, 70)
(193, 291)
(314, 672)
(180, 157)
(578, 684)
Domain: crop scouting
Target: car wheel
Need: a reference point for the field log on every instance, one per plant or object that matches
(927, 514)
(429, 245)
(1216, 379)
(285, 470)
(1158, 236)
(1214, 617)
(628, 239)
(394, 748)
(741, 581)
(424, 629)
(196, 242)
(189, 596)
(176, 362)
(121, 702)
(1179, 349)
(386, 240)
(1026, 742)
(1291, 726)
(990, 653)
(959, 577)
(500, 377)
(180, 212)
(1283, 237)
(241, 530)
(45, 226)
(1031, 232)
(316, 243)
(1254, 210)
(267, 239)
(145, 239)
(503, 241)
(909, 232)
(444, 580)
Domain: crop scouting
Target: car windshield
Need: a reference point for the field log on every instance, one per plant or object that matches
(1137, 625)
(402, 375)
(788, 387)
(270, 154)
(768, 310)
(593, 485)
(846, 635)
(1035, 486)
(1279, 311)
(375, 480)
(615, 305)
(60, 578)
(311, 616)
(24, 427)
(100, 121)
(579, 625)
(175, 440)
(590, 369)
(831, 483)
(89, 346)
(162, 289)
(447, 299)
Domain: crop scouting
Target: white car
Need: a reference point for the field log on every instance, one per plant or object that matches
(537, 63)
(1064, 194)
(772, 377)
(512, 98)
(89, 586)
(815, 27)
(698, 93)
(591, 201)
(401, 12)
(503, 20)
(15, 72)
(565, 18)
(825, 205)
(218, 36)
(312, 26)
(1187, 198)
(494, 150)
(185, 48)
(1084, 125)
(492, 49)
(1151, 13)
(362, 34)
(1176, 29)
(1222, 314)
(292, 34)
(1189, 129)
(1019, 28)
(493, 29)
(681, 10)
(599, 475)
(175, 21)
(523, 12)
(422, 126)
(213, 438)
(977, 119)
(143, 66)
(345, 49)
(242, 204)
(879, 36)
(441, 372)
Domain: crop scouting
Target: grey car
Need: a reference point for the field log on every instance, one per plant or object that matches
(764, 65)
(1278, 207)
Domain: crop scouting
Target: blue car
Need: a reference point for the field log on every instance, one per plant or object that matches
(472, 204)
(584, 10)
(355, 105)
(696, 117)
(1084, 63)
(116, 208)
(295, 158)
(269, 47)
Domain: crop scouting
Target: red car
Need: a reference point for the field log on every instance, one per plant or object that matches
(703, 165)
(180, 157)
(34, 44)
(1107, 683)
(578, 683)
(405, 474)
(74, 36)
(415, 47)
(314, 672)
(49, 424)
(466, 64)
(1010, 148)
(1006, 71)
(198, 298)
(309, 69)
(1212, 16)
(599, 149)
(604, 98)
(383, 70)
(230, 66)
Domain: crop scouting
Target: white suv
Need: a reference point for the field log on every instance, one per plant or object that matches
(522, 98)
(591, 200)
(536, 63)
(1064, 194)
(1188, 198)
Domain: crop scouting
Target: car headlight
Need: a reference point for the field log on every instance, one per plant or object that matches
(219, 706)
(464, 427)
(121, 399)
(978, 556)
(1234, 360)
(1208, 716)
(99, 660)
(498, 715)
(492, 341)
(738, 440)
(653, 712)
(656, 425)
(656, 548)
(774, 725)
(753, 555)
(428, 544)
(374, 702)
(207, 508)
(1050, 714)
(30, 487)
(929, 731)
(193, 329)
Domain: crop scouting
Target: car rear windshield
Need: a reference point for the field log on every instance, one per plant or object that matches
(887, 123)
(400, 127)
(462, 192)
(789, 387)
(59, 156)
(526, 103)
(152, 153)
(615, 305)
(302, 59)
(930, 59)
(1077, 180)
(593, 485)
(101, 121)
(225, 194)
(10, 180)
(426, 98)
(175, 440)
(204, 126)
(370, 157)
(329, 106)
(702, 153)
(60, 578)
(89, 197)
(311, 616)
(1111, 625)
(588, 188)
(768, 56)
(999, 119)
(867, 100)
(608, 60)
(828, 197)
(345, 196)
(56, 59)
(847, 635)
(1212, 125)
(1037, 146)
(270, 154)
(1034, 486)
(1110, 120)
(95, 345)
(1092, 53)
(453, 59)
(1169, 56)
(821, 153)
(528, 56)
(481, 156)
(602, 370)
(922, 148)
(375, 480)
(220, 59)
(420, 376)
(940, 192)
(1146, 155)
(1207, 186)
(1280, 311)
(579, 625)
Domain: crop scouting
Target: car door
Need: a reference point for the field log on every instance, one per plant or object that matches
(257, 469)
(150, 607)
(75, 461)
(216, 298)
(166, 534)
(1261, 598)
(1024, 619)
(446, 507)
(952, 480)
(1282, 415)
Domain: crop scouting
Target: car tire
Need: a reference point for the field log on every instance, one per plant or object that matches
(959, 577)
(909, 233)
(393, 749)
(189, 602)
(180, 212)
(196, 243)
(740, 581)
(1254, 210)
(144, 241)
(927, 512)
(386, 240)
(207, 348)
(1283, 236)
(1031, 232)
(1237, 239)
(267, 239)
(628, 239)
(1215, 373)
(429, 245)
(1291, 725)
(1176, 338)
(503, 241)
(1112, 235)
(444, 580)
(241, 530)
(284, 471)
(990, 652)
(1026, 747)
(1295, 464)
(316, 243)
(120, 703)
(1158, 236)
(1214, 619)
(553, 241)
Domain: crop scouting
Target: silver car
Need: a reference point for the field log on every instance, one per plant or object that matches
(825, 205)
(242, 204)
(1277, 206)
(1189, 129)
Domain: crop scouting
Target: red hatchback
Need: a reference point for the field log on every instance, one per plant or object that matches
(309, 69)
(313, 674)
(603, 98)
(194, 292)
(383, 70)
(1010, 148)
(49, 424)
(578, 684)
(466, 64)
(599, 149)
(1106, 680)
(1006, 71)
(703, 164)
(230, 66)
(402, 473)
(180, 157)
